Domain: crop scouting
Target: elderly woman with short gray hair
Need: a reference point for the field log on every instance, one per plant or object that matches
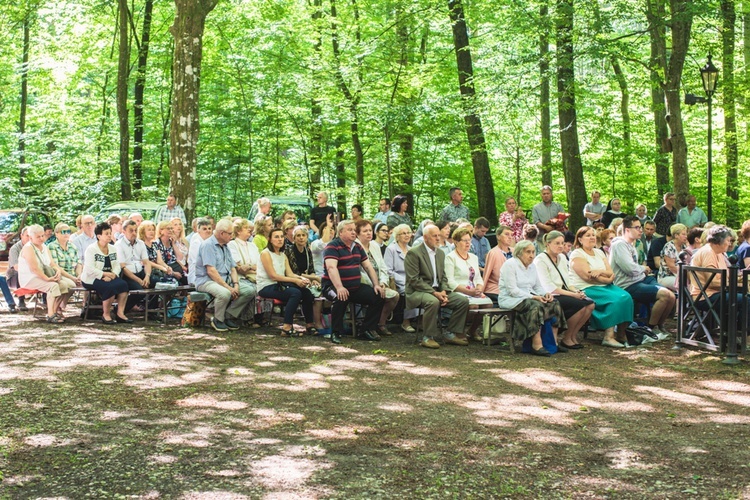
(37, 270)
(522, 291)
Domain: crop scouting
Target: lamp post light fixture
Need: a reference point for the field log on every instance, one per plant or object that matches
(710, 77)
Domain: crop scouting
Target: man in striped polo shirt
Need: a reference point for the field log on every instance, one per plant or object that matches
(343, 257)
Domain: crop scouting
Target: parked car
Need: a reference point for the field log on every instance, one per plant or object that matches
(15, 219)
(146, 208)
(300, 205)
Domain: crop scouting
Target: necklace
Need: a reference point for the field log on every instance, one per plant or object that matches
(462, 257)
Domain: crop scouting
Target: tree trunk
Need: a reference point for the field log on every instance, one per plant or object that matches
(626, 142)
(472, 121)
(340, 177)
(353, 99)
(24, 100)
(544, 119)
(746, 59)
(139, 88)
(681, 23)
(730, 124)
(566, 105)
(123, 68)
(166, 118)
(187, 30)
(316, 110)
(655, 15)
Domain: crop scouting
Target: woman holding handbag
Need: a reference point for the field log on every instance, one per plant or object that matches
(38, 271)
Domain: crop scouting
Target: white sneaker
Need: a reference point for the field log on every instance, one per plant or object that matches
(660, 333)
(648, 340)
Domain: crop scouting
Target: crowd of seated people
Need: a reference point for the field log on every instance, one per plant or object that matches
(596, 276)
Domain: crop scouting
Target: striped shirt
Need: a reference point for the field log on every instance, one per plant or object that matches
(348, 258)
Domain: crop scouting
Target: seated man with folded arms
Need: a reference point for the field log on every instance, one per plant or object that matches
(216, 275)
(134, 261)
(635, 278)
(427, 288)
(342, 283)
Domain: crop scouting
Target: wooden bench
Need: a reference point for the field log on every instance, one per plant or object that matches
(165, 295)
(476, 316)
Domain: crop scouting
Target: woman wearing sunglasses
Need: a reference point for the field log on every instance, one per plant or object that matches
(65, 254)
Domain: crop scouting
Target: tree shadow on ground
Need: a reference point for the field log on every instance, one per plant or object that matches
(149, 412)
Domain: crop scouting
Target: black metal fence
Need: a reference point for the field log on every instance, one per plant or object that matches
(713, 320)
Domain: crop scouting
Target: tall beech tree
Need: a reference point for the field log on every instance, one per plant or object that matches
(472, 121)
(544, 98)
(26, 48)
(187, 30)
(729, 17)
(123, 71)
(566, 110)
(138, 95)
(655, 15)
(680, 22)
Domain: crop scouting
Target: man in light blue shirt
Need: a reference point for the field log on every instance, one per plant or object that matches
(86, 238)
(216, 275)
(691, 215)
(384, 212)
(480, 246)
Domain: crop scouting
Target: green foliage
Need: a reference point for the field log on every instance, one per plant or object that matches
(265, 64)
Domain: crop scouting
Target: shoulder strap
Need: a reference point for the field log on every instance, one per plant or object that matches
(565, 285)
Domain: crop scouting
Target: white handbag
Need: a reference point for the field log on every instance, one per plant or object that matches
(494, 325)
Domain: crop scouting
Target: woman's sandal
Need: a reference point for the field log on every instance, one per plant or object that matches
(311, 330)
(54, 319)
(290, 333)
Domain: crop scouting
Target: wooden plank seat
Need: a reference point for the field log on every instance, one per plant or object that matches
(495, 316)
(165, 296)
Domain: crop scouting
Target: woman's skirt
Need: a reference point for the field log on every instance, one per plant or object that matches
(107, 289)
(613, 306)
(531, 315)
(571, 305)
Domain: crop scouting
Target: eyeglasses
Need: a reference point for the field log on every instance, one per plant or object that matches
(637, 228)
(65, 231)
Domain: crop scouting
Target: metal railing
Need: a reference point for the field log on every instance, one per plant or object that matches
(719, 325)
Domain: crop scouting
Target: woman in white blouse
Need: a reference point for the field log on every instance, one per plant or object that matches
(246, 257)
(394, 257)
(553, 270)
(462, 270)
(101, 273)
(34, 256)
(521, 291)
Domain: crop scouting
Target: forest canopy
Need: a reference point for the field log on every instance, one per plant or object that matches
(371, 99)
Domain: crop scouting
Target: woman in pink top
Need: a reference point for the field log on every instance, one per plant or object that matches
(711, 255)
(495, 260)
(514, 218)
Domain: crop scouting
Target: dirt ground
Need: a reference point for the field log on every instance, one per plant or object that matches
(152, 412)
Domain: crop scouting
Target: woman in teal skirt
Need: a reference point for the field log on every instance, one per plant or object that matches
(590, 272)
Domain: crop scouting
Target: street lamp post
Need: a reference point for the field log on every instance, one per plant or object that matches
(710, 77)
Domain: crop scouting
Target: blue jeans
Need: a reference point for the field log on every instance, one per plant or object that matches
(6, 292)
(292, 295)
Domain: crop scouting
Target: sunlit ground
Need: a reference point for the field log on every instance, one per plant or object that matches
(149, 412)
